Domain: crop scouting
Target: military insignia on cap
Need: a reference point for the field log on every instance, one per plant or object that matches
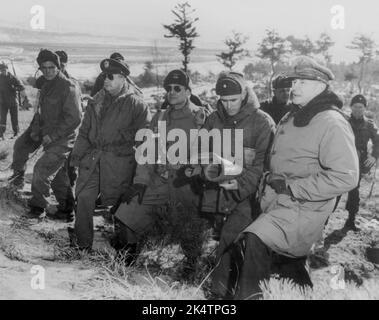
(106, 64)
(224, 86)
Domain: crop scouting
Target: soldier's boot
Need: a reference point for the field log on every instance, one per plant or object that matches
(36, 213)
(17, 179)
(350, 222)
(74, 244)
(62, 214)
(65, 212)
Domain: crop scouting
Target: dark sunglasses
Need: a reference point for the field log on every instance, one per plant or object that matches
(110, 76)
(47, 68)
(176, 88)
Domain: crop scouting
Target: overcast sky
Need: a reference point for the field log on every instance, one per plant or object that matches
(144, 18)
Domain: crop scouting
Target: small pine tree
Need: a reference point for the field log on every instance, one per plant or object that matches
(236, 51)
(323, 44)
(367, 50)
(303, 47)
(183, 28)
(272, 48)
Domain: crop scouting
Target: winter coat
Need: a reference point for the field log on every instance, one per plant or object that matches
(314, 152)
(59, 110)
(275, 110)
(107, 137)
(9, 86)
(189, 117)
(258, 131)
(365, 129)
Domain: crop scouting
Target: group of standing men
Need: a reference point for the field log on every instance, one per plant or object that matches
(294, 167)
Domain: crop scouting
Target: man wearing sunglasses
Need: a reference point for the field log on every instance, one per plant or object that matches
(104, 150)
(58, 118)
(99, 82)
(153, 190)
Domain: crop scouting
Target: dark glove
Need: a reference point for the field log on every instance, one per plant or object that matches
(280, 187)
(137, 189)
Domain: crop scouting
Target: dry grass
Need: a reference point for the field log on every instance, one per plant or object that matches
(284, 289)
(11, 251)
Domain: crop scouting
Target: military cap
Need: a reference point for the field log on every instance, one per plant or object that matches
(307, 68)
(229, 83)
(62, 56)
(3, 66)
(281, 81)
(48, 55)
(359, 99)
(113, 66)
(177, 77)
(116, 56)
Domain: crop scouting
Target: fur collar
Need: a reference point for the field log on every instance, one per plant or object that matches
(327, 100)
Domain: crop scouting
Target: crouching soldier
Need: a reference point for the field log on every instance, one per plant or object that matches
(153, 192)
(59, 117)
(29, 140)
(364, 130)
(312, 161)
(104, 150)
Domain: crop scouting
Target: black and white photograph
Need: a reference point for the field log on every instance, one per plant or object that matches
(210, 151)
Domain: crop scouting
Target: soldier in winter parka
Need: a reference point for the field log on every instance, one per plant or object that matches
(104, 150)
(364, 130)
(312, 161)
(153, 191)
(231, 196)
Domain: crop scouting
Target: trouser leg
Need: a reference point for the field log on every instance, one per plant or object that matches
(352, 203)
(22, 148)
(63, 190)
(293, 269)
(14, 117)
(86, 203)
(233, 226)
(255, 268)
(338, 199)
(71, 171)
(45, 170)
(3, 118)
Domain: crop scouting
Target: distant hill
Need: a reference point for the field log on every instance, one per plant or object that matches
(20, 35)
